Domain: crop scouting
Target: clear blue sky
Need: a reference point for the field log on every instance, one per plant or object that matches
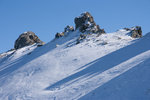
(46, 17)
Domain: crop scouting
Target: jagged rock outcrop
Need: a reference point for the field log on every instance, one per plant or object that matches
(135, 32)
(85, 23)
(58, 35)
(26, 39)
(67, 29)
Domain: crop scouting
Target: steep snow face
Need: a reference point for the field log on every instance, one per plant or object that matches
(64, 70)
(132, 85)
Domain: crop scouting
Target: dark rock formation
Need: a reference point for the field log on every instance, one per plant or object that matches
(135, 32)
(85, 23)
(84, 18)
(26, 39)
(58, 35)
(68, 29)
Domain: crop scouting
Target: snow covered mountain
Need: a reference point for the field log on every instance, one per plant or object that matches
(112, 66)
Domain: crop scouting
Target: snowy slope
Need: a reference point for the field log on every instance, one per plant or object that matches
(93, 69)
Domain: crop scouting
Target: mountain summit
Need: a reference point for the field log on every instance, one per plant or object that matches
(85, 23)
(79, 64)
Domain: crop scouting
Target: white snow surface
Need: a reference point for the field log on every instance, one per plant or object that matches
(112, 66)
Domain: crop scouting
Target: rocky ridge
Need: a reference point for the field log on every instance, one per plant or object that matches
(84, 23)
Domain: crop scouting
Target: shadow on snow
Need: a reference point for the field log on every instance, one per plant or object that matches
(106, 62)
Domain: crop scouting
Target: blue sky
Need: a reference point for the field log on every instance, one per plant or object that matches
(46, 17)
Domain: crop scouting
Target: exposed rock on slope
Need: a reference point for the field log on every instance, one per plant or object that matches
(67, 29)
(58, 35)
(136, 32)
(26, 39)
(85, 23)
